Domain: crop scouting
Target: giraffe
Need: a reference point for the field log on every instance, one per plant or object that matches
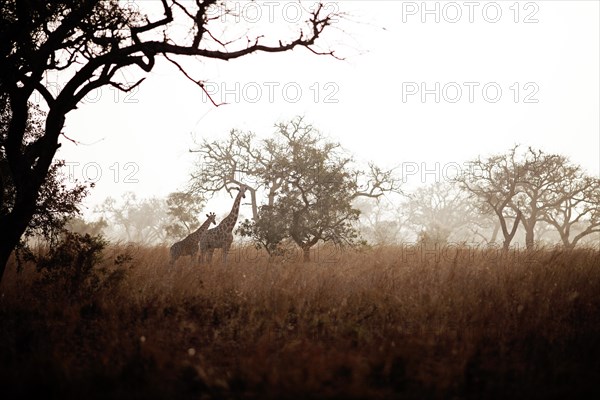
(189, 245)
(221, 236)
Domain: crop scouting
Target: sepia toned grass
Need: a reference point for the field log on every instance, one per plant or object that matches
(393, 322)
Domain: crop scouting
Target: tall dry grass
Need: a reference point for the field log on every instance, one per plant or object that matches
(395, 322)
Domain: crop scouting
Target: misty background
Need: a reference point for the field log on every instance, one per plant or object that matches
(543, 57)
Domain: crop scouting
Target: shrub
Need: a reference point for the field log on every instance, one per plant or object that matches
(73, 267)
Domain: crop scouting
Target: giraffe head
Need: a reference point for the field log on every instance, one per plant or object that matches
(242, 190)
(212, 217)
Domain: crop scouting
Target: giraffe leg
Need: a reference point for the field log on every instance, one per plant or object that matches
(203, 250)
(171, 256)
(210, 254)
(202, 256)
(226, 248)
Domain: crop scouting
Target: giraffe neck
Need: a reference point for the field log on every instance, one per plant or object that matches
(229, 221)
(202, 228)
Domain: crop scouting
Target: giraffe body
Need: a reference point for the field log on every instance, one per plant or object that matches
(189, 245)
(221, 236)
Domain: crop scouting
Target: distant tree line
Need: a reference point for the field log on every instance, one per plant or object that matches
(545, 198)
(533, 188)
(305, 189)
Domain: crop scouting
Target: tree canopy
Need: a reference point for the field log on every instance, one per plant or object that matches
(438, 211)
(302, 185)
(533, 187)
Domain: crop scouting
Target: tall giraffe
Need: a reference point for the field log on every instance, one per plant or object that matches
(189, 245)
(221, 236)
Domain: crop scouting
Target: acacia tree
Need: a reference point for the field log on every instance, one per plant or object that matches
(315, 200)
(302, 186)
(540, 188)
(577, 215)
(89, 42)
(493, 183)
(437, 211)
(382, 222)
(536, 188)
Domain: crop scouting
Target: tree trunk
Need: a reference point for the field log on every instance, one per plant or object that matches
(254, 205)
(529, 225)
(27, 175)
(564, 237)
(529, 237)
(13, 226)
(306, 254)
(509, 235)
(6, 248)
(495, 233)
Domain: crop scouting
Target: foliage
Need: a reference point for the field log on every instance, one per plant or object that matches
(72, 265)
(58, 200)
(382, 222)
(150, 220)
(438, 212)
(82, 227)
(184, 209)
(268, 231)
(136, 220)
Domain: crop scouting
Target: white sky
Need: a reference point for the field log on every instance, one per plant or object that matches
(556, 57)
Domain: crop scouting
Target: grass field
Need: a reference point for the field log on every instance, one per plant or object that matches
(394, 322)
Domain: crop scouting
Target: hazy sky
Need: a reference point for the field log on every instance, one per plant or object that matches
(504, 73)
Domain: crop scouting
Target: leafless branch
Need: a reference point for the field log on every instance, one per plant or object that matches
(198, 82)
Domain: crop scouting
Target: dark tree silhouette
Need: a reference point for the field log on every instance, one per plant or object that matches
(90, 42)
(57, 202)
